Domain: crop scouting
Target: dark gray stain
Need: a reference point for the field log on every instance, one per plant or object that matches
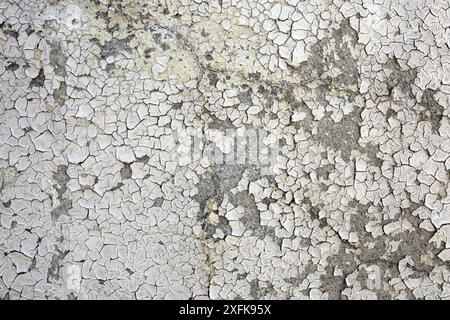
(342, 136)
(220, 124)
(216, 181)
(399, 78)
(319, 62)
(55, 266)
(433, 110)
(114, 46)
(245, 96)
(39, 80)
(126, 171)
(12, 66)
(158, 202)
(213, 79)
(58, 59)
(7, 204)
(143, 159)
(62, 178)
(7, 29)
(60, 94)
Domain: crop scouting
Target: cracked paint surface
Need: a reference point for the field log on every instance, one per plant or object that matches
(98, 200)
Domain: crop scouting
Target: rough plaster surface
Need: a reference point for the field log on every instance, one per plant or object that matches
(98, 200)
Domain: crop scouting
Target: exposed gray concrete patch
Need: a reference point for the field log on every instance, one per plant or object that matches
(58, 59)
(114, 116)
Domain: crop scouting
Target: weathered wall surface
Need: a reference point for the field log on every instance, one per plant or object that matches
(111, 112)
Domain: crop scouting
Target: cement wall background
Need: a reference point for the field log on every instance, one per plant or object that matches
(224, 149)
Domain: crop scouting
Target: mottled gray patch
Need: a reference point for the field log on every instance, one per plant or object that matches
(314, 212)
(8, 30)
(61, 178)
(61, 209)
(158, 202)
(118, 186)
(258, 292)
(55, 266)
(60, 94)
(213, 79)
(71, 296)
(39, 80)
(115, 46)
(344, 37)
(324, 171)
(58, 59)
(245, 96)
(340, 57)
(251, 219)
(331, 284)
(433, 110)
(12, 67)
(158, 38)
(342, 136)
(223, 225)
(143, 159)
(399, 78)
(218, 124)
(216, 181)
(126, 172)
